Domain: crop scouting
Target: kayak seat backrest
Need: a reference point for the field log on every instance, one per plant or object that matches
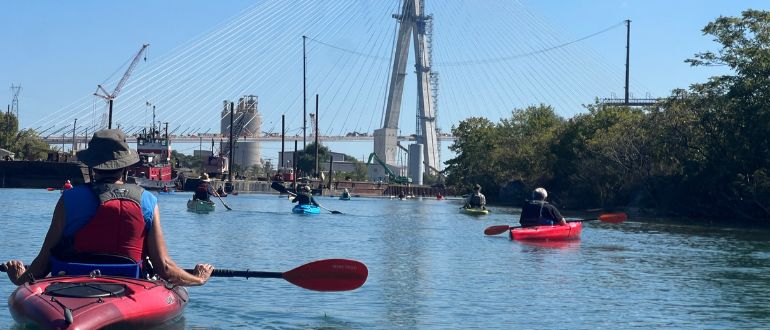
(112, 265)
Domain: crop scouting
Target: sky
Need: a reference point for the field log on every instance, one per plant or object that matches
(58, 51)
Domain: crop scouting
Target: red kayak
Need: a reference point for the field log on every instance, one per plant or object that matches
(547, 233)
(84, 302)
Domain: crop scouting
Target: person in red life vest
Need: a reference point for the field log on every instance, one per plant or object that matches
(106, 218)
(204, 189)
(165, 189)
(67, 185)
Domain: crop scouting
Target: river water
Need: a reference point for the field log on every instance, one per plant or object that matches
(431, 267)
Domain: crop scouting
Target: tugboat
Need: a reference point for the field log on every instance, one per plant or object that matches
(153, 172)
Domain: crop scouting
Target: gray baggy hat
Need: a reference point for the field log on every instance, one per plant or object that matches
(108, 150)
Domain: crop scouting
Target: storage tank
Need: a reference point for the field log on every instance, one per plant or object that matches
(247, 123)
(248, 112)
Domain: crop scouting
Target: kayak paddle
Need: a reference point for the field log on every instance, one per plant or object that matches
(608, 217)
(319, 275)
(280, 188)
(223, 202)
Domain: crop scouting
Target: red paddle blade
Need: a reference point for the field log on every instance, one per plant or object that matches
(329, 275)
(496, 230)
(613, 217)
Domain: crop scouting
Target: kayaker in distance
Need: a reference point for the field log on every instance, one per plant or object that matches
(221, 192)
(538, 212)
(67, 185)
(346, 193)
(90, 219)
(204, 189)
(304, 197)
(477, 200)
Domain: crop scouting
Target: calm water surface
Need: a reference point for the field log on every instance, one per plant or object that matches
(431, 267)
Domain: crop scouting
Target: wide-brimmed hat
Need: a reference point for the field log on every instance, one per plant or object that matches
(205, 177)
(306, 188)
(108, 150)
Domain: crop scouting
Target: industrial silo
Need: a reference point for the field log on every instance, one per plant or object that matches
(247, 124)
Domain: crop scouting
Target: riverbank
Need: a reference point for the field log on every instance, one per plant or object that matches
(356, 188)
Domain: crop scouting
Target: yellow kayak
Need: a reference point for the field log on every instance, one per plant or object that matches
(475, 211)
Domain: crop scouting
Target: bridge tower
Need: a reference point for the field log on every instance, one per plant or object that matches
(412, 23)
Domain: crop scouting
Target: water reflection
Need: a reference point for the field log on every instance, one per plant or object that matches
(431, 267)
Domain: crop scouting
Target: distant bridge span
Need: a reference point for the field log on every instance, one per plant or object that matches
(67, 140)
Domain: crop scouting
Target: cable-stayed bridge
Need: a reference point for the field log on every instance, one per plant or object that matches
(486, 58)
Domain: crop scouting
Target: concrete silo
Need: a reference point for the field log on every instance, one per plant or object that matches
(247, 123)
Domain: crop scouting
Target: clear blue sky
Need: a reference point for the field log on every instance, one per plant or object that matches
(60, 50)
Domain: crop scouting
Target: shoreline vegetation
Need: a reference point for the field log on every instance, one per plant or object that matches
(702, 152)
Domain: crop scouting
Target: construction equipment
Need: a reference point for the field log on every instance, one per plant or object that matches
(109, 97)
(392, 176)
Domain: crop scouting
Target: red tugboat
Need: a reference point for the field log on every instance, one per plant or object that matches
(153, 172)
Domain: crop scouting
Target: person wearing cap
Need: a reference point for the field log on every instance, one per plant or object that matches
(477, 200)
(305, 196)
(204, 189)
(538, 212)
(106, 218)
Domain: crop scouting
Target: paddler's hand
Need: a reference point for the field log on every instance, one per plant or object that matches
(15, 270)
(203, 271)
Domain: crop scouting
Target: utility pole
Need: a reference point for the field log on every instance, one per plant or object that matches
(628, 54)
(74, 143)
(230, 159)
(109, 117)
(283, 136)
(304, 94)
(317, 172)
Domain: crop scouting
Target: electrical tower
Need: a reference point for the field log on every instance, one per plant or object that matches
(412, 23)
(15, 90)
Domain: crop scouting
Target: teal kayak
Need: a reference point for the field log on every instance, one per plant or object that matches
(199, 206)
(306, 209)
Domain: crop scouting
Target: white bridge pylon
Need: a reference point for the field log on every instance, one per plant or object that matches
(412, 22)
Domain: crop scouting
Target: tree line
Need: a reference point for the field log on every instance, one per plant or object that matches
(701, 152)
(26, 144)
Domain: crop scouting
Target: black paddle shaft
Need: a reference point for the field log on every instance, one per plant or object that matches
(241, 273)
(223, 273)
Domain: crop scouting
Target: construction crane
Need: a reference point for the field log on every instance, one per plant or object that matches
(392, 176)
(109, 97)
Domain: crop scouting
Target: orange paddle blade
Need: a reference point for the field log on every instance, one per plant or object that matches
(613, 217)
(495, 230)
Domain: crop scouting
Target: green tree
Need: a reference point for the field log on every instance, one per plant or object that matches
(9, 126)
(474, 139)
(306, 157)
(730, 134)
(29, 146)
(523, 151)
